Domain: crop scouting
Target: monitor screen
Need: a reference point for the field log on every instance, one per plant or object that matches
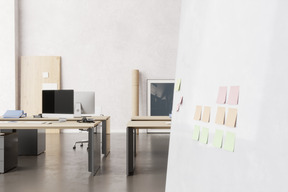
(58, 101)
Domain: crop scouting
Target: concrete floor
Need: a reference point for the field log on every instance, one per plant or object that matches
(64, 169)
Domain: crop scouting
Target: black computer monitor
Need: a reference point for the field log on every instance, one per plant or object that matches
(57, 102)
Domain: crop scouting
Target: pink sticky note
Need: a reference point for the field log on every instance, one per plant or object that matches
(221, 99)
(181, 100)
(178, 107)
(233, 95)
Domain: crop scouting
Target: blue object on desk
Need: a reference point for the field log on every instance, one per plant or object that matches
(14, 114)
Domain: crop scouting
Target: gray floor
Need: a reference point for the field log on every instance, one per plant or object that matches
(63, 169)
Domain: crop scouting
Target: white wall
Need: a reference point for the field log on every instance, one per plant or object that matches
(226, 43)
(8, 53)
(100, 42)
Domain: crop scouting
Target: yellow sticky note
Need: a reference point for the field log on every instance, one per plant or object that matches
(218, 138)
(196, 133)
(206, 114)
(204, 135)
(178, 85)
(229, 144)
(197, 115)
(231, 117)
(220, 116)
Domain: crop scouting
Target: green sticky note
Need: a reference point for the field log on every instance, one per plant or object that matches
(218, 138)
(196, 133)
(178, 85)
(229, 143)
(204, 135)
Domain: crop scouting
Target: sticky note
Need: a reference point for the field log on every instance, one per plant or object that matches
(178, 85)
(218, 138)
(181, 100)
(233, 95)
(231, 117)
(229, 144)
(178, 107)
(45, 74)
(220, 116)
(222, 92)
(204, 135)
(206, 114)
(197, 115)
(196, 133)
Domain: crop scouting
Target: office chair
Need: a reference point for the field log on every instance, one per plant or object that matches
(81, 141)
(84, 120)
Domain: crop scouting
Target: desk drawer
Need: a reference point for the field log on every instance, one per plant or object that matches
(1, 155)
(2, 167)
(1, 142)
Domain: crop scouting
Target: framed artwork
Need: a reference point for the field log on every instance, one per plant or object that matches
(160, 97)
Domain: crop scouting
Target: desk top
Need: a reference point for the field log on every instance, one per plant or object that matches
(95, 118)
(150, 118)
(149, 124)
(46, 125)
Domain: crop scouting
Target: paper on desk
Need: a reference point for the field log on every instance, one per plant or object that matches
(196, 132)
(231, 117)
(222, 92)
(204, 135)
(197, 115)
(229, 144)
(206, 114)
(220, 116)
(218, 138)
(233, 95)
(34, 122)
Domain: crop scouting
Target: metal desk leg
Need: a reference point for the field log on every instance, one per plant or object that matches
(129, 151)
(106, 137)
(94, 154)
(134, 140)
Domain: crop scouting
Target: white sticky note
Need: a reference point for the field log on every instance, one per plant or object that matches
(45, 74)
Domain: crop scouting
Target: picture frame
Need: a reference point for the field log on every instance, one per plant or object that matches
(160, 97)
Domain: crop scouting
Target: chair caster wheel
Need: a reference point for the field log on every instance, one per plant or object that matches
(74, 147)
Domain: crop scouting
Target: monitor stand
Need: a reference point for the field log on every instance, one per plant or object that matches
(77, 110)
(57, 115)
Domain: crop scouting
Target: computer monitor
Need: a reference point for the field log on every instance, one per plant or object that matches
(84, 103)
(58, 103)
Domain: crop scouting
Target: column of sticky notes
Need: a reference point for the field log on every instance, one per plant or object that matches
(199, 134)
(230, 120)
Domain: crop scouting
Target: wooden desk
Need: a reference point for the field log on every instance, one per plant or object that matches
(105, 127)
(131, 139)
(94, 154)
(150, 118)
